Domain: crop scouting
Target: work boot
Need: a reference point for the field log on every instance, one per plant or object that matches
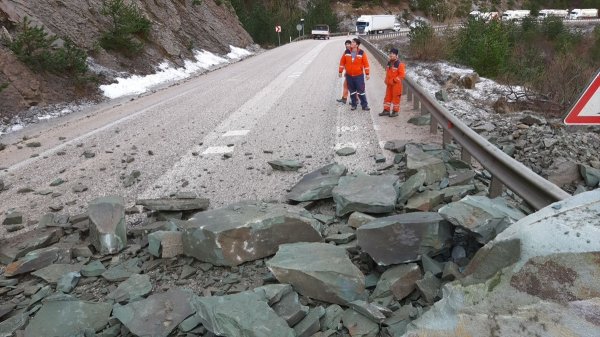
(394, 114)
(384, 113)
(353, 107)
(342, 100)
(366, 108)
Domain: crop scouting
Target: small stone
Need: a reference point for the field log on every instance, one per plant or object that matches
(33, 144)
(346, 151)
(13, 218)
(14, 228)
(379, 158)
(88, 154)
(57, 182)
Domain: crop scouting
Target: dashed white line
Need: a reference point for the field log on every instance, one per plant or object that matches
(218, 150)
(234, 133)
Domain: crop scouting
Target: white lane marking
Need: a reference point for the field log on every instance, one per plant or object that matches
(382, 143)
(218, 150)
(233, 133)
(351, 128)
(376, 127)
(295, 75)
(349, 144)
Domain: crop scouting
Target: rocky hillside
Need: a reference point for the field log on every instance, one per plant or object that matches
(177, 27)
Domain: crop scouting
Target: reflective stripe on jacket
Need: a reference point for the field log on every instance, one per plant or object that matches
(395, 73)
(354, 68)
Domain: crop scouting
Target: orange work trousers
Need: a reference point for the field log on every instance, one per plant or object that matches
(393, 94)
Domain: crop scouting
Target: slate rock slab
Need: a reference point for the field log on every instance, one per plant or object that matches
(320, 271)
(245, 231)
(318, 184)
(68, 317)
(285, 165)
(108, 231)
(157, 315)
(369, 194)
(54, 272)
(175, 204)
(482, 216)
(38, 259)
(346, 151)
(404, 237)
(17, 247)
(135, 287)
(245, 314)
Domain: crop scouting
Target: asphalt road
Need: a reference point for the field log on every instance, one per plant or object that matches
(279, 104)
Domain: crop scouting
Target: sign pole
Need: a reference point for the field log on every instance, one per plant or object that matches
(279, 38)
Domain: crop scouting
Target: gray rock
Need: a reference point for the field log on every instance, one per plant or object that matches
(420, 120)
(359, 325)
(346, 151)
(441, 95)
(108, 231)
(33, 144)
(175, 204)
(69, 317)
(590, 175)
(457, 192)
(425, 201)
(311, 323)
(93, 269)
(57, 182)
(67, 282)
(462, 177)
(404, 237)
(5, 309)
(134, 288)
(372, 311)
(379, 158)
(432, 266)
(122, 271)
(340, 238)
(245, 231)
(13, 218)
(290, 309)
(274, 292)
(165, 244)
(38, 259)
(532, 120)
(434, 168)
(451, 272)
(411, 186)
(395, 145)
(13, 228)
(398, 281)
(370, 194)
(245, 314)
(285, 165)
(483, 217)
(320, 271)
(333, 318)
(318, 184)
(357, 219)
(429, 287)
(563, 172)
(18, 246)
(53, 273)
(157, 315)
(79, 188)
(10, 325)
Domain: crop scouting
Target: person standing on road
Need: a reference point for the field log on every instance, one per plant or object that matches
(344, 98)
(356, 64)
(395, 72)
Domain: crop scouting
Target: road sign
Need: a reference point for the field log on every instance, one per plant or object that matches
(278, 29)
(298, 27)
(586, 110)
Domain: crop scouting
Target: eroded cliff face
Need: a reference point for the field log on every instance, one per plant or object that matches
(178, 27)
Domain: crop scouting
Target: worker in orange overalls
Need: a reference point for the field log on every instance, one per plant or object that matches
(344, 98)
(395, 72)
(356, 65)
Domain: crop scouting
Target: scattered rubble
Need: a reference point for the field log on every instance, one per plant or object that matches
(362, 255)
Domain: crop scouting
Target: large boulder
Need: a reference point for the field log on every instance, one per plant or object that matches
(320, 271)
(418, 160)
(404, 237)
(317, 184)
(108, 230)
(245, 231)
(544, 267)
(363, 193)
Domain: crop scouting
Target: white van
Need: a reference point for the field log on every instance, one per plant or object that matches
(397, 27)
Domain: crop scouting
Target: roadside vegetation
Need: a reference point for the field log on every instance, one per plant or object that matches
(43, 52)
(259, 18)
(550, 62)
(3, 86)
(129, 28)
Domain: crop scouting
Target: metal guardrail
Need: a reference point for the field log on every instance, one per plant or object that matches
(505, 170)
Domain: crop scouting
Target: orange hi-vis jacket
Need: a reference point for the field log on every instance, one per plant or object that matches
(395, 73)
(354, 68)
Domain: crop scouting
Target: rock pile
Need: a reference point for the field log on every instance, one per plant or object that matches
(351, 255)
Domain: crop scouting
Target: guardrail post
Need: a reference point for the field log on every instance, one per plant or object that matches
(409, 95)
(433, 125)
(465, 156)
(446, 137)
(416, 103)
(496, 187)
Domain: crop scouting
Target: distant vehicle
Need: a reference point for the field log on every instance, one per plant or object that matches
(587, 13)
(374, 24)
(397, 27)
(559, 13)
(320, 32)
(417, 22)
(515, 15)
(485, 16)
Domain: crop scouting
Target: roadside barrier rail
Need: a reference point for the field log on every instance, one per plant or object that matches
(505, 170)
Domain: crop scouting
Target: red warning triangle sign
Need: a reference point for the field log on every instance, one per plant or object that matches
(586, 110)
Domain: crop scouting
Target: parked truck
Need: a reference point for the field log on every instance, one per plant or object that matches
(374, 24)
(320, 32)
(559, 13)
(586, 13)
(485, 16)
(515, 15)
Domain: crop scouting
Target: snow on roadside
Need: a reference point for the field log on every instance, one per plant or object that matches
(203, 60)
